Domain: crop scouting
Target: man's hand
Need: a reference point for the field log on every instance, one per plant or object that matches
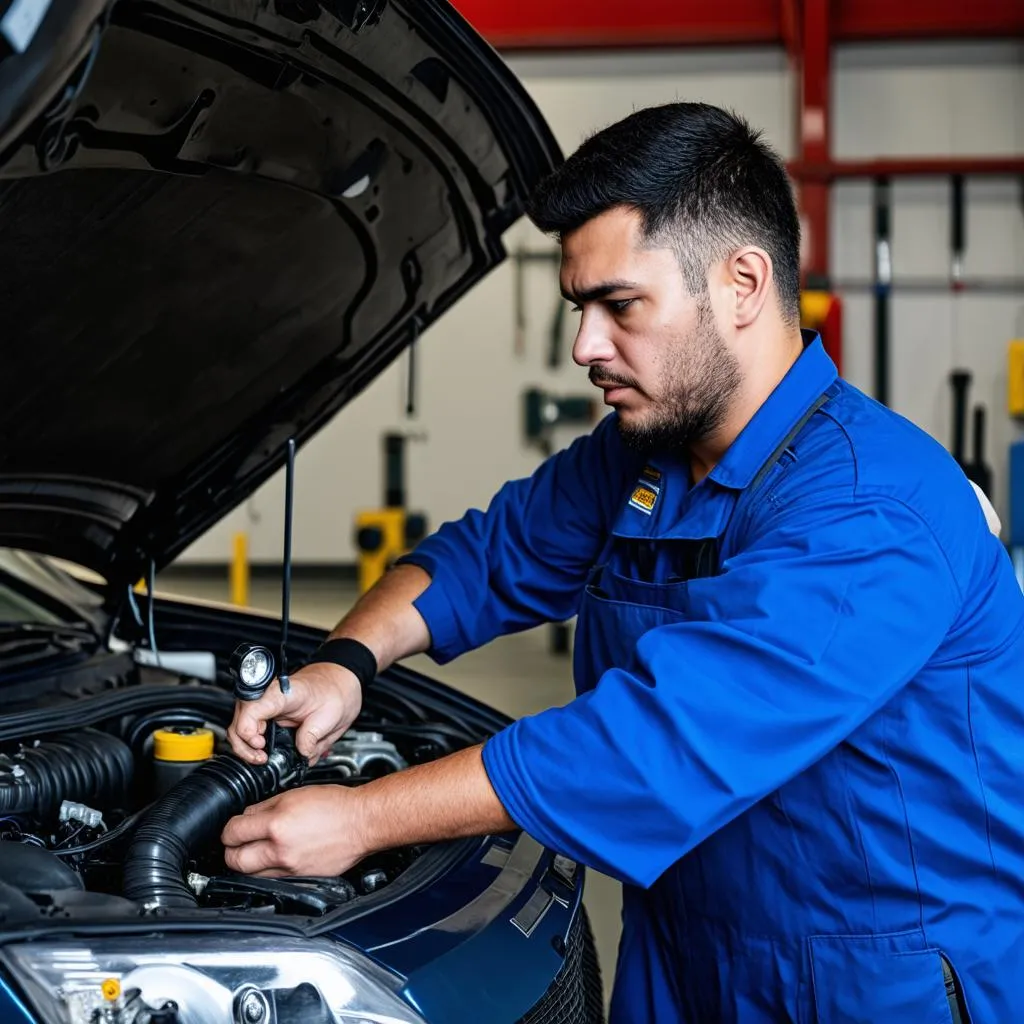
(325, 698)
(324, 701)
(324, 830)
(312, 831)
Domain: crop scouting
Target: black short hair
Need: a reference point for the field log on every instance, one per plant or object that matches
(701, 178)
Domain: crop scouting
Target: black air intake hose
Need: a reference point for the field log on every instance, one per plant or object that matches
(192, 815)
(87, 767)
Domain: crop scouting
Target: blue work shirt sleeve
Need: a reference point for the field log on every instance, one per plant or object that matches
(804, 635)
(524, 561)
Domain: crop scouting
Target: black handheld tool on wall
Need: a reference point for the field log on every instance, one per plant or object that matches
(958, 232)
(975, 468)
(959, 381)
(978, 470)
(883, 288)
(253, 666)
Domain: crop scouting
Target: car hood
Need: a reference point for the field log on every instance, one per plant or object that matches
(219, 220)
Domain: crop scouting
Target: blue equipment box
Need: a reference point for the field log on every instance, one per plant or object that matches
(1017, 494)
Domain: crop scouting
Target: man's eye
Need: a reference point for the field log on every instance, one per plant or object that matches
(615, 305)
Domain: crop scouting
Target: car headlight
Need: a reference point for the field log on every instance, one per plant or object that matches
(206, 979)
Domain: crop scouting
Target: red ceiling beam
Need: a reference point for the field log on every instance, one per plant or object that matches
(863, 20)
(811, 170)
(574, 24)
(571, 24)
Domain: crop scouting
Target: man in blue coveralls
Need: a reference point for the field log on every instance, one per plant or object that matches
(799, 649)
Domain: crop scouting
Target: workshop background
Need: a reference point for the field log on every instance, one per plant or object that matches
(903, 124)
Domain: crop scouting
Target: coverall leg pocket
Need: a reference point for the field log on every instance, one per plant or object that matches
(879, 979)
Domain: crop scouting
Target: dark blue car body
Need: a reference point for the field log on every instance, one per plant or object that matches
(489, 929)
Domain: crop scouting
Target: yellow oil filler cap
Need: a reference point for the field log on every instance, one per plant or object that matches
(188, 743)
(177, 752)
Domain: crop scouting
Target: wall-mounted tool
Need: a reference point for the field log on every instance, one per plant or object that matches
(519, 305)
(957, 245)
(543, 412)
(551, 258)
(958, 231)
(411, 373)
(883, 284)
(978, 469)
(975, 468)
(1015, 407)
(555, 337)
(1017, 509)
(959, 382)
(385, 534)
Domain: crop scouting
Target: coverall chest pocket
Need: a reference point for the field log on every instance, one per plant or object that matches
(883, 978)
(653, 574)
(619, 605)
(612, 592)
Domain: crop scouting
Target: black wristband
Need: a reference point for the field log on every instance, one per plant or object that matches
(350, 654)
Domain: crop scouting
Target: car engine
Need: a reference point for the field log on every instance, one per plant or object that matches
(122, 807)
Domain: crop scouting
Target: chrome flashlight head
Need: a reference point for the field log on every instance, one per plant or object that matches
(252, 667)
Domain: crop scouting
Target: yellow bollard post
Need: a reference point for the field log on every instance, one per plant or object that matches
(240, 570)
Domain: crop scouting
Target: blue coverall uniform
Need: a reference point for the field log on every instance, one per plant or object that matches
(798, 736)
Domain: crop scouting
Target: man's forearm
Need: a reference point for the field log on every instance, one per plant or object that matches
(384, 617)
(446, 799)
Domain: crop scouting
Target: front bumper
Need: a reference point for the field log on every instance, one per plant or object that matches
(497, 934)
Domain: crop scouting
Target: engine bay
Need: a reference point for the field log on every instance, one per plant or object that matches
(114, 801)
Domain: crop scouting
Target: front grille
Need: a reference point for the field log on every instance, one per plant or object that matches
(576, 996)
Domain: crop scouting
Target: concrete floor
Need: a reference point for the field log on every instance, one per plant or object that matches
(517, 675)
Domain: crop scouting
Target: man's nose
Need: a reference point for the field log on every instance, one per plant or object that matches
(593, 345)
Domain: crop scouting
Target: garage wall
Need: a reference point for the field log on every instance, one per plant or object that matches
(889, 101)
(956, 100)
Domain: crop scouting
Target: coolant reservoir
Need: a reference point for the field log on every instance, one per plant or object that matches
(177, 751)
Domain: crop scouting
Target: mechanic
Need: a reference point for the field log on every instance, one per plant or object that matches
(797, 735)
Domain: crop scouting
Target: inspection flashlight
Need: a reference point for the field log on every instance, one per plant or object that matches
(252, 667)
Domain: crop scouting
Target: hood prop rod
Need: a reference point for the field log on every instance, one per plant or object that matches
(286, 573)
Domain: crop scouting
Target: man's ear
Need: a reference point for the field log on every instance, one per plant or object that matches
(751, 276)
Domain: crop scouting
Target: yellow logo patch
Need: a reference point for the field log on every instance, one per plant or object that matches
(644, 498)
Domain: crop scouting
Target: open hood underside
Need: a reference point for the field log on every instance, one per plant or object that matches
(219, 221)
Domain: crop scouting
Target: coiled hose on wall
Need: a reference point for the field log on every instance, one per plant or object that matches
(88, 767)
(191, 816)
